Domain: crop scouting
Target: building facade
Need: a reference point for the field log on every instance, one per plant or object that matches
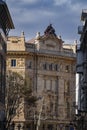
(5, 25)
(82, 71)
(50, 64)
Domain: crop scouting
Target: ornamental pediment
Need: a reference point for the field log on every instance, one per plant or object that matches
(50, 43)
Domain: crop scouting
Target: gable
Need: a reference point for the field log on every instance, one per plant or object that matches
(51, 44)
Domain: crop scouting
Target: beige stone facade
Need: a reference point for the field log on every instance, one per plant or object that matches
(51, 68)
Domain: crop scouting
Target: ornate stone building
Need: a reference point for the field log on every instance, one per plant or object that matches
(50, 65)
(5, 25)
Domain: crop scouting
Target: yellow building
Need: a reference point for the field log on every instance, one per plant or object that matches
(50, 65)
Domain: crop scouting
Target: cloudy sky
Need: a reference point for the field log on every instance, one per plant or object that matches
(32, 16)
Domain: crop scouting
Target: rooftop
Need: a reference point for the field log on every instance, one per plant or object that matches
(6, 22)
(50, 30)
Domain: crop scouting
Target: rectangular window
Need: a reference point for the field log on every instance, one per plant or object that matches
(68, 109)
(30, 65)
(67, 88)
(13, 62)
(44, 83)
(67, 68)
(56, 86)
(50, 67)
(48, 84)
(55, 67)
(45, 66)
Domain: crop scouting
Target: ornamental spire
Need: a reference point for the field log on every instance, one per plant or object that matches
(50, 30)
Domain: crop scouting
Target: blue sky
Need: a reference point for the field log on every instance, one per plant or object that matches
(32, 16)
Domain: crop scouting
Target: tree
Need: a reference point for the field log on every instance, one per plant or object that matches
(17, 88)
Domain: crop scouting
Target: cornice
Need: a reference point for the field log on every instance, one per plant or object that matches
(17, 52)
(42, 55)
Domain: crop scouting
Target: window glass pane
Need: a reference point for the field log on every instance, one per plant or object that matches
(30, 65)
(13, 62)
(50, 67)
(45, 66)
(48, 84)
(56, 67)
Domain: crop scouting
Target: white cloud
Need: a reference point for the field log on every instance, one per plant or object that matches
(61, 2)
(69, 41)
(23, 1)
(33, 16)
(77, 7)
(26, 15)
(29, 1)
(74, 6)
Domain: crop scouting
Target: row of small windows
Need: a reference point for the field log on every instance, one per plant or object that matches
(51, 66)
(45, 66)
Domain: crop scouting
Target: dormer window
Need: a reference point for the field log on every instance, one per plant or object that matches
(14, 41)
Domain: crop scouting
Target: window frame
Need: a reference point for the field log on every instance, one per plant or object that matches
(13, 62)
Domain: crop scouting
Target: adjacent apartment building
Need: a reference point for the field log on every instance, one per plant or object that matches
(50, 64)
(82, 72)
(5, 25)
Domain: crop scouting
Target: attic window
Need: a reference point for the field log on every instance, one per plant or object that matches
(14, 41)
